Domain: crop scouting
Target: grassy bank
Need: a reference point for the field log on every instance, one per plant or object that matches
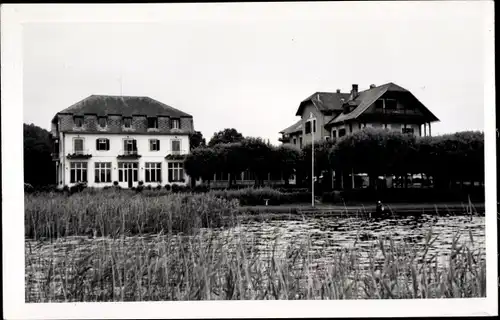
(229, 266)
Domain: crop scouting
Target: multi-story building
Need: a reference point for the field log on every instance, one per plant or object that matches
(337, 114)
(103, 139)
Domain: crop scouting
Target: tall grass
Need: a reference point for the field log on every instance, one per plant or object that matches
(109, 213)
(229, 266)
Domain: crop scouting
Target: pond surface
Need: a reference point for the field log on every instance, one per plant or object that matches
(327, 235)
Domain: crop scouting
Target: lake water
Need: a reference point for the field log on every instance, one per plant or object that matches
(324, 238)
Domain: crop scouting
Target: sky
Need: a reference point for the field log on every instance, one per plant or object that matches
(248, 66)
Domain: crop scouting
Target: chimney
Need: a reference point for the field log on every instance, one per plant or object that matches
(354, 92)
(372, 86)
(338, 90)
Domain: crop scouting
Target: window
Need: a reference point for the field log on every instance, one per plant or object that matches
(129, 146)
(341, 133)
(350, 127)
(78, 121)
(175, 124)
(102, 144)
(153, 171)
(334, 133)
(294, 141)
(153, 123)
(308, 127)
(78, 145)
(102, 172)
(128, 170)
(390, 104)
(176, 147)
(102, 122)
(175, 171)
(327, 138)
(154, 145)
(314, 125)
(300, 142)
(127, 122)
(379, 104)
(78, 172)
(407, 130)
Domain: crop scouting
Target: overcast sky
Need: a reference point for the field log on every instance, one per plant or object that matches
(249, 66)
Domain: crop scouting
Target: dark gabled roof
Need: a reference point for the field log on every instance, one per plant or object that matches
(296, 127)
(324, 101)
(127, 106)
(366, 98)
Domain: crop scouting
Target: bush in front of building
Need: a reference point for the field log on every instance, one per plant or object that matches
(258, 196)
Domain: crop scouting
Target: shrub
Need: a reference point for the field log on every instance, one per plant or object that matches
(149, 187)
(251, 196)
(175, 187)
(167, 187)
(331, 197)
(141, 183)
(158, 187)
(415, 195)
(115, 183)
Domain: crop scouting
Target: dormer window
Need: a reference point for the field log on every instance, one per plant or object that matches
(78, 121)
(153, 123)
(127, 122)
(102, 122)
(175, 124)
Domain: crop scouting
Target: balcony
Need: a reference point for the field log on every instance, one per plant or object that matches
(79, 154)
(128, 154)
(176, 154)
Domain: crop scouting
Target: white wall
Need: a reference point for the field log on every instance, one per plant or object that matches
(116, 148)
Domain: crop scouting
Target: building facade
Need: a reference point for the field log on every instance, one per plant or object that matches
(337, 114)
(103, 140)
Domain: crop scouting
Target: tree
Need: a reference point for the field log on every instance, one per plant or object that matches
(225, 136)
(259, 158)
(39, 169)
(322, 165)
(285, 161)
(201, 163)
(231, 159)
(196, 140)
(374, 151)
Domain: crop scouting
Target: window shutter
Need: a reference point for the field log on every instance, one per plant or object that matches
(124, 145)
(134, 145)
(158, 144)
(97, 144)
(107, 144)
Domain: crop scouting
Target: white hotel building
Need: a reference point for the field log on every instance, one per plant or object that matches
(103, 139)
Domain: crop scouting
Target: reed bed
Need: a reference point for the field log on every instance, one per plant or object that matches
(80, 248)
(109, 213)
(225, 266)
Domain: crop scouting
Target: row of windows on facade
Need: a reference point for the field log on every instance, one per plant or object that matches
(127, 122)
(102, 144)
(342, 132)
(126, 171)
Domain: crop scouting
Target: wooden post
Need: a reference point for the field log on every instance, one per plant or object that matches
(430, 134)
(425, 129)
(352, 178)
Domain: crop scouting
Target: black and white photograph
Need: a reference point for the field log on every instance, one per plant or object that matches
(306, 159)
